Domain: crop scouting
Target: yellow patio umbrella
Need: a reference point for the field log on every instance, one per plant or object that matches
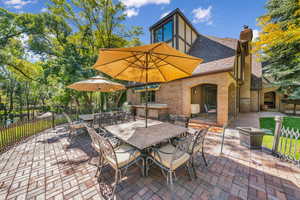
(97, 83)
(147, 64)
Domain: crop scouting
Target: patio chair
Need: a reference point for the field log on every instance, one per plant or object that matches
(210, 109)
(169, 158)
(73, 126)
(120, 158)
(197, 146)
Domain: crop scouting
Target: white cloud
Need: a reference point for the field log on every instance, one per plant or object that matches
(17, 4)
(140, 3)
(44, 10)
(255, 34)
(202, 15)
(165, 14)
(131, 12)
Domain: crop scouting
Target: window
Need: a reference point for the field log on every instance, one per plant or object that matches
(158, 37)
(168, 31)
(164, 33)
(151, 97)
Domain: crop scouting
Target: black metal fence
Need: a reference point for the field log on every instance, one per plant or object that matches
(15, 132)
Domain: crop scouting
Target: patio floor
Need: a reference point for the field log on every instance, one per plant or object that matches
(47, 166)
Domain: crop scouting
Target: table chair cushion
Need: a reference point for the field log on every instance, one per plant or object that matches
(164, 156)
(77, 126)
(124, 154)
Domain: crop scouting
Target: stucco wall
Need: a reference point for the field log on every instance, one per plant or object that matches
(254, 101)
(169, 93)
(245, 95)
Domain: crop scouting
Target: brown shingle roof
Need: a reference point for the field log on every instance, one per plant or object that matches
(218, 55)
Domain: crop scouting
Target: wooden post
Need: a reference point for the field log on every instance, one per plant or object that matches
(278, 126)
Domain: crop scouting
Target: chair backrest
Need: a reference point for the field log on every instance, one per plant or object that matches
(182, 147)
(198, 140)
(67, 117)
(97, 120)
(108, 151)
(206, 109)
(93, 134)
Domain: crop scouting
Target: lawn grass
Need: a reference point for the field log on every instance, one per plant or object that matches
(288, 122)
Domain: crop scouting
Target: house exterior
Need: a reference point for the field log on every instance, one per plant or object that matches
(229, 80)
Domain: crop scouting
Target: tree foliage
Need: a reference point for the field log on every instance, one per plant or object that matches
(279, 44)
(51, 50)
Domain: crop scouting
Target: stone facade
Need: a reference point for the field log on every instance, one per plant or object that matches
(229, 70)
(177, 94)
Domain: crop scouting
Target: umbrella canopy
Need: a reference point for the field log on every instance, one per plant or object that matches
(149, 63)
(97, 83)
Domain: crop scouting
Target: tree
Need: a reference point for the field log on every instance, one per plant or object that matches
(13, 29)
(279, 44)
(69, 40)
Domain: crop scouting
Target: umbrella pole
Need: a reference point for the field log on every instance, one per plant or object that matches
(146, 107)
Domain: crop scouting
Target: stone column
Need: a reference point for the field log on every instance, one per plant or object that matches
(222, 105)
(278, 126)
(245, 91)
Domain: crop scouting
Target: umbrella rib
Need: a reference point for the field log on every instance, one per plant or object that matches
(156, 46)
(131, 63)
(173, 65)
(162, 59)
(159, 70)
(138, 58)
(113, 61)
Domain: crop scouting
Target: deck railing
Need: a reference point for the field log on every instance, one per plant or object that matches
(13, 133)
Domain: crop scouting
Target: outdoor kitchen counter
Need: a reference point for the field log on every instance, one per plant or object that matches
(155, 111)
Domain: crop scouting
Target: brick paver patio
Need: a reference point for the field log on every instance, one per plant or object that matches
(47, 166)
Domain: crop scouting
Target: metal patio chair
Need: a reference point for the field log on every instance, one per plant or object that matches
(197, 146)
(169, 158)
(119, 158)
(73, 126)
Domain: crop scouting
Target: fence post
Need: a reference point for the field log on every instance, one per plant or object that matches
(53, 120)
(278, 126)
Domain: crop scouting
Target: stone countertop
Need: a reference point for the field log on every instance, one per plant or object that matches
(152, 106)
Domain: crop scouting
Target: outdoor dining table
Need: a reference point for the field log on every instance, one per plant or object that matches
(135, 133)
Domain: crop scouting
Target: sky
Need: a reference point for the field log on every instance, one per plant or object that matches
(220, 18)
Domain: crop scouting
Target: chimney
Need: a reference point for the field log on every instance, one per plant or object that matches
(246, 34)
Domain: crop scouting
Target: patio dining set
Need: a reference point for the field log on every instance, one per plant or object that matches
(123, 141)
